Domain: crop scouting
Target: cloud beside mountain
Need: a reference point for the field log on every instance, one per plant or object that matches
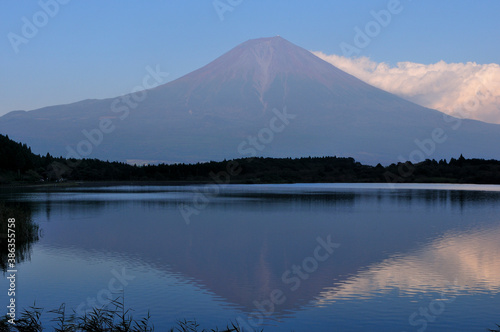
(265, 97)
(467, 90)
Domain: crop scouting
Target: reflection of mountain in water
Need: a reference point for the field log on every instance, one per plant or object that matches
(461, 261)
(26, 231)
(240, 245)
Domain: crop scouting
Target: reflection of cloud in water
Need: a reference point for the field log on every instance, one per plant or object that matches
(239, 247)
(467, 262)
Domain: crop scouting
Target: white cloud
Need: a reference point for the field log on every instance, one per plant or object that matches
(468, 90)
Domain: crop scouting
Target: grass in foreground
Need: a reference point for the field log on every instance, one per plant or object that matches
(106, 319)
(111, 318)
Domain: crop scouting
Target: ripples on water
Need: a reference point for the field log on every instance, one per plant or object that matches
(401, 249)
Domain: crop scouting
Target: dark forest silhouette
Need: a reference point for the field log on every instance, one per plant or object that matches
(19, 165)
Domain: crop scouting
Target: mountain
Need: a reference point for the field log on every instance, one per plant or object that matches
(265, 97)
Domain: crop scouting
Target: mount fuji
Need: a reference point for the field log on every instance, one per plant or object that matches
(265, 97)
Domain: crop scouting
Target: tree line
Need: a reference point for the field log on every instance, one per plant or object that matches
(19, 165)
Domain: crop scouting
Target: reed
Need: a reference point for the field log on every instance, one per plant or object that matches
(113, 317)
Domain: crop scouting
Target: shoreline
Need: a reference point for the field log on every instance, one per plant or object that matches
(111, 183)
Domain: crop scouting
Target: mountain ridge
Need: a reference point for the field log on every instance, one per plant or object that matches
(206, 115)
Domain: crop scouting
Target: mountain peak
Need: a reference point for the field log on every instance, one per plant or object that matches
(260, 61)
(219, 110)
(270, 40)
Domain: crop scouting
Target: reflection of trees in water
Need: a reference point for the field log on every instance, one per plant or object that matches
(26, 231)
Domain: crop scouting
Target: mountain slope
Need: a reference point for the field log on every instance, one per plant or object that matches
(236, 106)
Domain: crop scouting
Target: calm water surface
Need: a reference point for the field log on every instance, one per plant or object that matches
(325, 257)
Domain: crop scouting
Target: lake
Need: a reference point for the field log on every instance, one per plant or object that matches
(301, 257)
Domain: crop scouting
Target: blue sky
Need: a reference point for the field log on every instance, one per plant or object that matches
(99, 49)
